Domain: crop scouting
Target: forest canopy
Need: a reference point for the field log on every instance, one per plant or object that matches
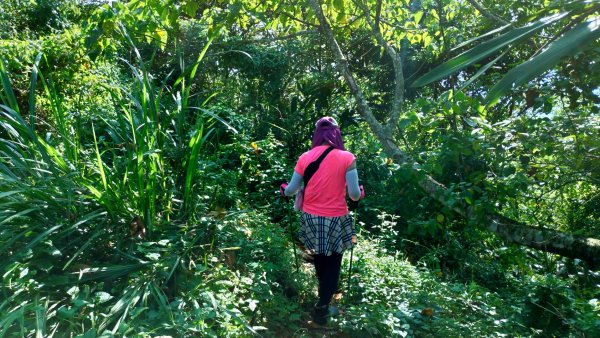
(143, 142)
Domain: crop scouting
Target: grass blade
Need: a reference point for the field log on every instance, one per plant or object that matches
(99, 159)
(17, 215)
(7, 321)
(9, 97)
(40, 317)
(481, 71)
(84, 247)
(32, 85)
(194, 149)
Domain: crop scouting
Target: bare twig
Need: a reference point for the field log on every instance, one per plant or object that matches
(279, 38)
(486, 12)
(288, 15)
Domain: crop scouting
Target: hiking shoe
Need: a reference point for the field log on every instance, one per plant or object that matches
(333, 311)
(320, 314)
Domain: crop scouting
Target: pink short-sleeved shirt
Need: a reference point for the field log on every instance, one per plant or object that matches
(326, 192)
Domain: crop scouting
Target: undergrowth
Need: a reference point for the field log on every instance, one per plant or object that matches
(144, 225)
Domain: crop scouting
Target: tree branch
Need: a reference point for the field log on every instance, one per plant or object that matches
(548, 240)
(587, 249)
(485, 12)
(378, 13)
(297, 19)
(279, 38)
(342, 66)
(398, 72)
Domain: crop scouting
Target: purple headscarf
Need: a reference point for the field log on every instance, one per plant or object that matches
(327, 132)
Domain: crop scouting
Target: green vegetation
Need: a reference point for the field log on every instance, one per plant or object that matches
(142, 144)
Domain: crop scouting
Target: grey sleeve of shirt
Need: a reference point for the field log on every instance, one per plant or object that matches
(352, 183)
(294, 185)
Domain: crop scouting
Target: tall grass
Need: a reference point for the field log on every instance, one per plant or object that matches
(67, 206)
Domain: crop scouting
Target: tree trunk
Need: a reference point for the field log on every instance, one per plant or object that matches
(587, 249)
(548, 240)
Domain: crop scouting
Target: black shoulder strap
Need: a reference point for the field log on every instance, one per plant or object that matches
(311, 169)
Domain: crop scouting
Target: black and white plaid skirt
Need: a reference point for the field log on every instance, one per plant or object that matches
(324, 235)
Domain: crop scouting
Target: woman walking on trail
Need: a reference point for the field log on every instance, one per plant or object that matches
(325, 224)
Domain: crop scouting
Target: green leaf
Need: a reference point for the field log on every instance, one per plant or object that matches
(339, 5)
(427, 40)
(191, 8)
(8, 95)
(162, 36)
(481, 71)
(569, 44)
(8, 319)
(102, 297)
(32, 84)
(108, 272)
(17, 215)
(194, 148)
(91, 333)
(85, 246)
(482, 36)
(73, 291)
(200, 57)
(483, 50)
(99, 159)
(418, 16)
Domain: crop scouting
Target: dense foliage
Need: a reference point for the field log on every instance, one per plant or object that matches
(142, 144)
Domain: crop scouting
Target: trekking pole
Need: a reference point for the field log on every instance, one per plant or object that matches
(294, 248)
(287, 199)
(350, 271)
(355, 205)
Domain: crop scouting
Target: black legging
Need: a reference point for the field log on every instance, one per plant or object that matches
(328, 273)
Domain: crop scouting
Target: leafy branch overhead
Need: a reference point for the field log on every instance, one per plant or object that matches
(510, 230)
(583, 29)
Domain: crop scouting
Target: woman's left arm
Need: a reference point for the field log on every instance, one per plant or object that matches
(352, 182)
(294, 185)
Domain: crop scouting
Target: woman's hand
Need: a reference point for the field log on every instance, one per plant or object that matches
(282, 188)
